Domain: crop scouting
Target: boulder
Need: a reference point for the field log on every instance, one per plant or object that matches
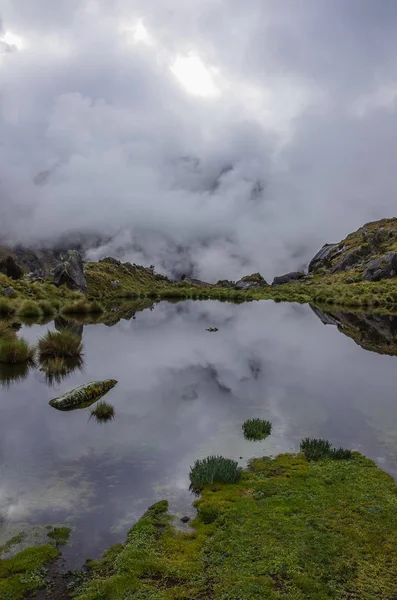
(11, 268)
(255, 280)
(352, 258)
(323, 257)
(9, 292)
(383, 267)
(293, 277)
(83, 396)
(71, 272)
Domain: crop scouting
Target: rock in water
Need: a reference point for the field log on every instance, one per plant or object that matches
(71, 272)
(9, 267)
(83, 396)
(288, 278)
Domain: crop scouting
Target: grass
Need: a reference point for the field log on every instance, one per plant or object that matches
(60, 344)
(316, 449)
(82, 307)
(57, 369)
(256, 429)
(288, 530)
(14, 373)
(103, 412)
(25, 572)
(6, 331)
(47, 308)
(15, 351)
(7, 308)
(213, 469)
(29, 309)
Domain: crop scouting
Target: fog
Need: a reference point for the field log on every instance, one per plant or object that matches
(214, 137)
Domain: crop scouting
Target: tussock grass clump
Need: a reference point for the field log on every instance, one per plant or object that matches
(103, 412)
(316, 449)
(213, 469)
(81, 307)
(47, 308)
(60, 344)
(7, 309)
(15, 351)
(57, 369)
(256, 429)
(6, 331)
(29, 309)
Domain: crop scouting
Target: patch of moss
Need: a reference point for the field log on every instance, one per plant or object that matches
(25, 572)
(290, 530)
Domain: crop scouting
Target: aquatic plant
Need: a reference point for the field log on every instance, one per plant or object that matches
(256, 429)
(7, 308)
(315, 449)
(15, 351)
(213, 469)
(103, 412)
(60, 344)
(30, 309)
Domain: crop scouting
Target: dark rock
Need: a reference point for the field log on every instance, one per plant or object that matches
(110, 260)
(383, 267)
(255, 280)
(323, 257)
(352, 258)
(71, 272)
(9, 292)
(115, 283)
(185, 519)
(293, 277)
(11, 268)
(225, 283)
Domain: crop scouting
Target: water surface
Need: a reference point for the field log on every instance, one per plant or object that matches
(182, 394)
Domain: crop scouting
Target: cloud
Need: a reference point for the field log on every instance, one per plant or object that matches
(293, 147)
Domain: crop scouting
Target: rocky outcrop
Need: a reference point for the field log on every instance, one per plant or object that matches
(383, 267)
(83, 396)
(255, 280)
(350, 259)
(9, 267)
(322, 260)
(70, 272)
(293, 277)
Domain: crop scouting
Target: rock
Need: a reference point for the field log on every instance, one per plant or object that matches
(9, 267)
(9, 292)
(225, 283)
(323, 257)
(255, 280)
(185, 519)
(83, 396)
(36, 276)
(115, 283)
(350, 259)
(71, 272)
(110, 260)
(383, 267)
(292, 277)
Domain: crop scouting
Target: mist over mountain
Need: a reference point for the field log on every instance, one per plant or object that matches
(215, 138)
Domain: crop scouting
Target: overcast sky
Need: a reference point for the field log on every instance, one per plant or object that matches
(217, 137)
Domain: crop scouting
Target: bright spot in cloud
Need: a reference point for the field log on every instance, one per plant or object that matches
(195, 77)
(139, 34)
(12, 40)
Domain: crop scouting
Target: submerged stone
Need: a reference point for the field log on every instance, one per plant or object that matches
(83, 396)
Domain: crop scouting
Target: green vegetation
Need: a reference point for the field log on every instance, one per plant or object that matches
(29, 309)
(315, 449)
(60, 344)
(288, 530)
(103, 412)
(7, 308)
(15, 351)
(60, 535)
(14, 373)
(81, 307)
(213, 469)
(56, 369)
(47, 308)
(256, 429)
(6, 331)
(25, 572)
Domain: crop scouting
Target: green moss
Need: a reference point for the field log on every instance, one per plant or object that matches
(289, 530)
(25, 572)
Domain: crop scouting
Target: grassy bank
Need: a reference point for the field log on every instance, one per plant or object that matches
(288, 529)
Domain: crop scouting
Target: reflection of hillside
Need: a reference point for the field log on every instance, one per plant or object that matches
(374, 332)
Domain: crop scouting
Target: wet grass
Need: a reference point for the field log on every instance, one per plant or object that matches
(82, 307)
(60, 344)
(30, 309)
(25, 572)
(103, 412)
(317, 449)
(15, 351)
(213, 469)
(57, 369)
(47, 308)
(7, 308)
(288, 530)
(256, 429)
